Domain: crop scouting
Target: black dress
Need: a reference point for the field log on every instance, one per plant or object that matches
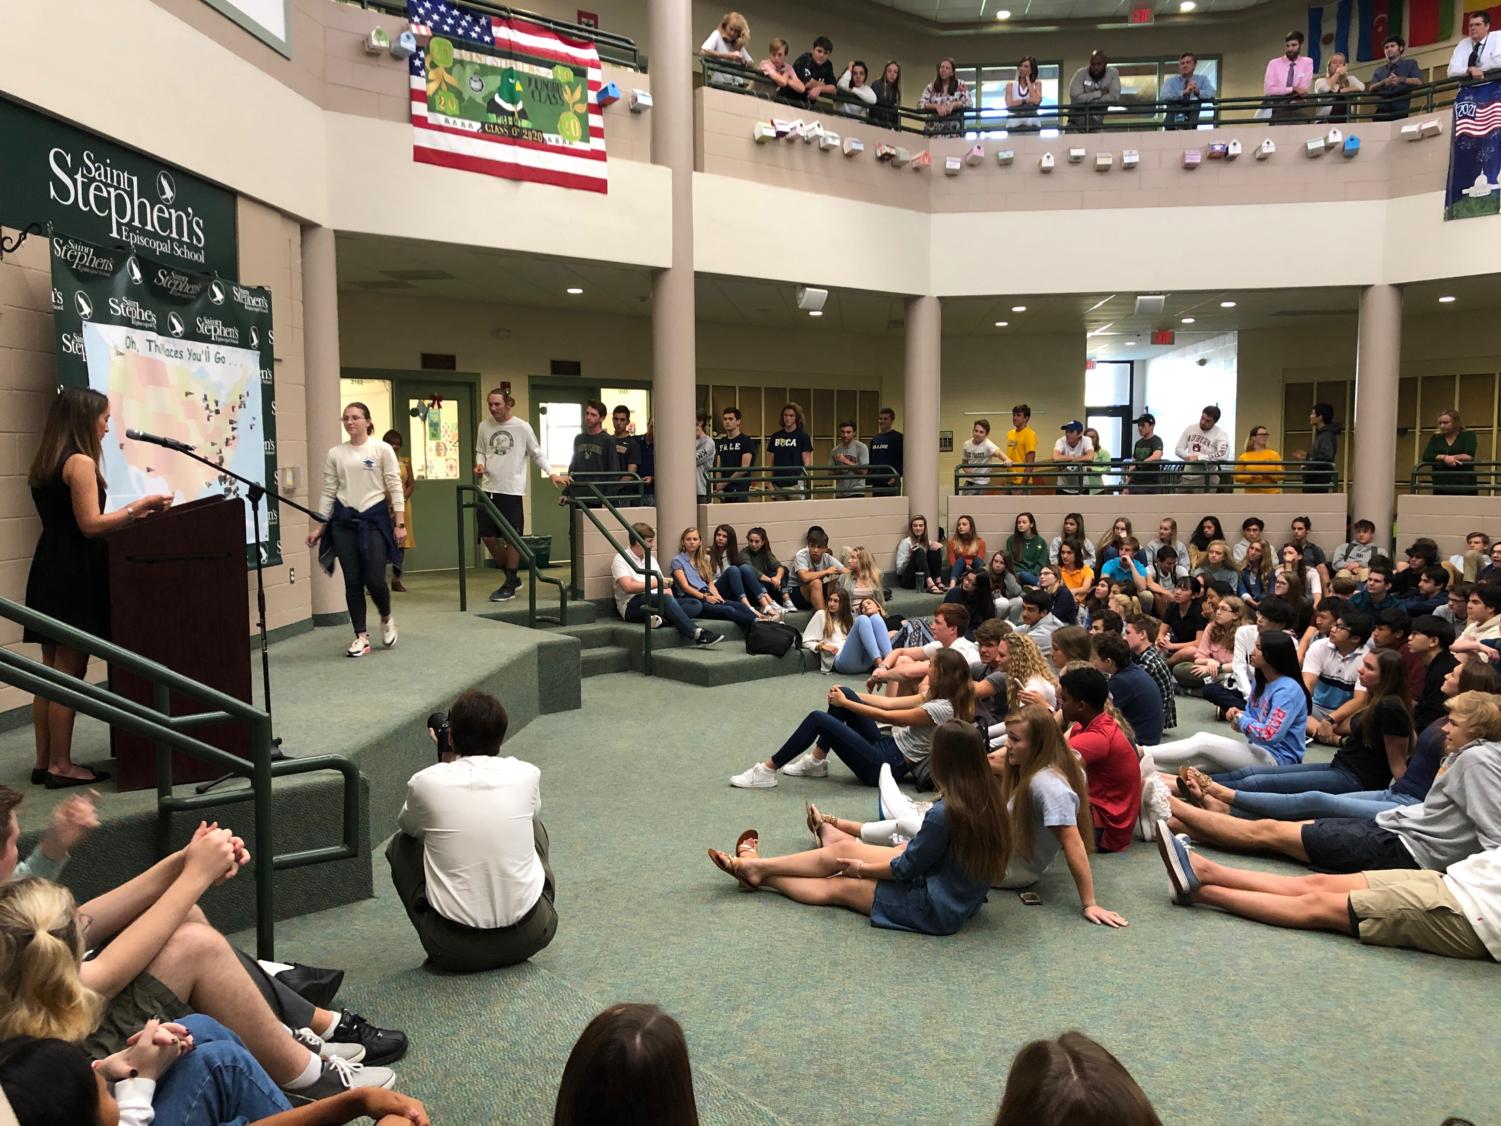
(69, 577)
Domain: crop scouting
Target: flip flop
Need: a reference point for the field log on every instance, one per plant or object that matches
(1184, 792)
(814, 821)
(748, 844)
(725, 863)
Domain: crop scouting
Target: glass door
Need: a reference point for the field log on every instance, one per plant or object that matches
(436, 422)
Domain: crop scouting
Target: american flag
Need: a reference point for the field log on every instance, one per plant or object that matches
(1482, 122)
(455, 143)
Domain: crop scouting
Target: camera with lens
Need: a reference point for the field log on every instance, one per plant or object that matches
(437, 725)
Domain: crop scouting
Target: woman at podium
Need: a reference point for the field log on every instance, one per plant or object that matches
(358, 477)
(69, 577)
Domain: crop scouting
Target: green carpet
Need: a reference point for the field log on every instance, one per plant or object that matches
(809, 1015)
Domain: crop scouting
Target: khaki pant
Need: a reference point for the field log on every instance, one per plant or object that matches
(1417, 909)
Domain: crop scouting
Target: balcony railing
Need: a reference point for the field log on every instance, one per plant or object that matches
(1125, 476)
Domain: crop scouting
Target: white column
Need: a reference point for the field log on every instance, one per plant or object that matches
(1378, 353)
(320, 350)
(921, 387)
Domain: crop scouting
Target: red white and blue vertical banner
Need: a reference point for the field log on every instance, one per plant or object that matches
(505, 97)
(1475, 153)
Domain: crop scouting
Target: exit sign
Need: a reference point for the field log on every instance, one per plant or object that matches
(591, 19)
(1162, 336)
(1143, 15)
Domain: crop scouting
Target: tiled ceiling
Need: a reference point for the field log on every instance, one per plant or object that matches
(949, 12)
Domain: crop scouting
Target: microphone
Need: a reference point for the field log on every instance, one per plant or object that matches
(171, 443)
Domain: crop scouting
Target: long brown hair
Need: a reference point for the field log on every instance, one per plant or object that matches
(72, 425)
(972, 800)
(1223, 634)
(1049, 752)
(731, 552)
(629, 1066)
(1392, 683)
(1072, 1079)
(948, 679)
(699, 558)
(836, 612)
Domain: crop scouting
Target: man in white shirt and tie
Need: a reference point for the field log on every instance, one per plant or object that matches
(1475, 55)
(470, 861)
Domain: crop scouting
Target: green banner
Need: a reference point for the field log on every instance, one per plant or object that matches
(181, 355)
(111, 195)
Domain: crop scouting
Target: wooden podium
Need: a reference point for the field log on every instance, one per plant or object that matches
(178, 596)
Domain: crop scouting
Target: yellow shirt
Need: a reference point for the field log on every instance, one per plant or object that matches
(1020, 443)
(1264, 481)
(1077, 580)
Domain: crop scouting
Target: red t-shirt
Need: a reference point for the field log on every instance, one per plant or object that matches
(1114, 776)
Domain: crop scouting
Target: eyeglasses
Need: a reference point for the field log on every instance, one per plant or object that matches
(1339, 626)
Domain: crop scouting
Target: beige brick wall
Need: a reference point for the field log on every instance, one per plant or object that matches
(1446, 520)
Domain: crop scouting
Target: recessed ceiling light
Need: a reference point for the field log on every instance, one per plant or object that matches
(574, 291)
(1018, 308)
(1227, 304)
(815, 312)
(1003, 14)
(1001, 324)
(1187, 6)
(1130, 344)
(1446, 299)
(1188, 320)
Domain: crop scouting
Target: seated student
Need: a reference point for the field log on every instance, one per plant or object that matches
(759, 557)
(1492, 572)
(1429, 642)
(1378, 593)
(1167, 536)
(1071, 643)
(634, 603)
(1296, 567)
(1312, 554)
(966, 550)
(630, 1064)
(1208, 531)
(1273, 723)
(1273, 613)
(1211, 660)
(932, 884)
(157, 957)
(1254, 581)
(690, 580)
(1389, 630)
(776, 68)
(1287, 586)
(902, 669)
(1421, 554)
(815, 570)
(1184, 617)
(1050, 582)
(1005, 588)
(470, 860)
(974, 594)
(1376, 746)
(1216, 563)
(1038, 623)
(735, 579)
(1140, 634)
(1243, 791)
(865, 642)
(1123, 602)
(1077, 576)
(1108, 756)
(1030, 674)
(1331, 671)
(1451, 913)
(1073, 532)
(1107, 621)
(992, 688)
(1163, 576)
(1467, 564)
(1251, 529)
(1026, 551)
(1456, 610)
(1482, 621)
(194, 1070)
(1354, 556)
(862, 577)
(848, 728)
(1126, 568)
(1325, 614)
(815, 70)
(1109, 546)
(919, 559)
(1459, 817)
(1431, 593)
(1071, 1080)
(1131, 689)
(1047, 797)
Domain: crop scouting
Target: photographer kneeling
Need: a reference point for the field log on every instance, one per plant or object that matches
(470, 860)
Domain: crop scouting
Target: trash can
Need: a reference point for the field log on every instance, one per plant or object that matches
(541, 547)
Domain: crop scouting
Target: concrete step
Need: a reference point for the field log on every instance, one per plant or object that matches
(514, 612)
(604, 659)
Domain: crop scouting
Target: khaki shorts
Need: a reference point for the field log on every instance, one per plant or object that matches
(1416, 909)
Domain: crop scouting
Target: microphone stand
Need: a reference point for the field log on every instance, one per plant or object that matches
(255, 491)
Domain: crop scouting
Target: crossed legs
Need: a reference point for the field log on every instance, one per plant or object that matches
(814, 877)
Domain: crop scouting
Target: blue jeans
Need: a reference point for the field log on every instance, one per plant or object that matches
(854, 738)
(1292, 778)
(1026, 578)
(962, 564)
(739, 582)
(219, 1081)
(678, 611)
(1316, 803)
(867, 643)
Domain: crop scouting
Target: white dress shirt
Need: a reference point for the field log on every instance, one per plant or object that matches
(474, 818)
(1490, 54)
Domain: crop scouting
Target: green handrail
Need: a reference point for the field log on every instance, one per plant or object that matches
(1482, 479)
(479, 499)
(1166, 476)
(167, 733)
(812, 482)
(585, 483)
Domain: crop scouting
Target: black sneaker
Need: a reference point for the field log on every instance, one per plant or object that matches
(705, 638)
(382, 1045)
(318, 987)
(503, 593)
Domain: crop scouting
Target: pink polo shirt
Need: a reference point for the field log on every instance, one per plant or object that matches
(1275, 81)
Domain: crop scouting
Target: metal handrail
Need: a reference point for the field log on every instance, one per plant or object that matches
(1091, 117)
(1165, 476)
(516, 542)
(167, 733)
(612, 47)
(585, 483)
(1482, 478)
(811, 482)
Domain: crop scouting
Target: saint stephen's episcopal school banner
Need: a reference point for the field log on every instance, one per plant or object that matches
(505, 97)
(1475, 153)
(181, 354)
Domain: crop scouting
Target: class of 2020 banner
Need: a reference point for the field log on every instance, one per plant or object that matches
(179, 354)
(1474, 184)
(505, 97)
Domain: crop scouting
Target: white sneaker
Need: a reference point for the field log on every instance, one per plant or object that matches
(809, 766)
(388, 631)
(340, 1075)
(352, 1053)
(359, 647)
(756, 778)
(787, 603)
(655, 621)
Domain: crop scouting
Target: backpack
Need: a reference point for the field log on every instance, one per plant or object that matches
(771, 638)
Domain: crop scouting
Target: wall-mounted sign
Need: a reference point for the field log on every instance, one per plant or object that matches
(265, 19)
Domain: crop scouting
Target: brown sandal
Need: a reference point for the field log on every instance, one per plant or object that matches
(726, 863)
(748, 844)
(816, 820)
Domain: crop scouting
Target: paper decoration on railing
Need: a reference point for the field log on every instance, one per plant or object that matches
(1218, 151)
(1232, 150)
(1103, 161)
(900, 157)
(1351, 147)
(812, 131)
(1192, 158)
(1130, 158)
(1266, 149)
(975, 156)
(952, 165)
(609, 94)
(1047, 162)
(921, 160)
(1333, 139)
(1314, 148)
(763, 131)
(1076, 155)
(885, 152)
(853, 146)
(1004, 157)
(828, 141)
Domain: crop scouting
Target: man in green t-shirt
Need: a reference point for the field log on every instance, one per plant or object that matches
(1146, 453)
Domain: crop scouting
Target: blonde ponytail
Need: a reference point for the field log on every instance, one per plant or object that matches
(40, 950)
